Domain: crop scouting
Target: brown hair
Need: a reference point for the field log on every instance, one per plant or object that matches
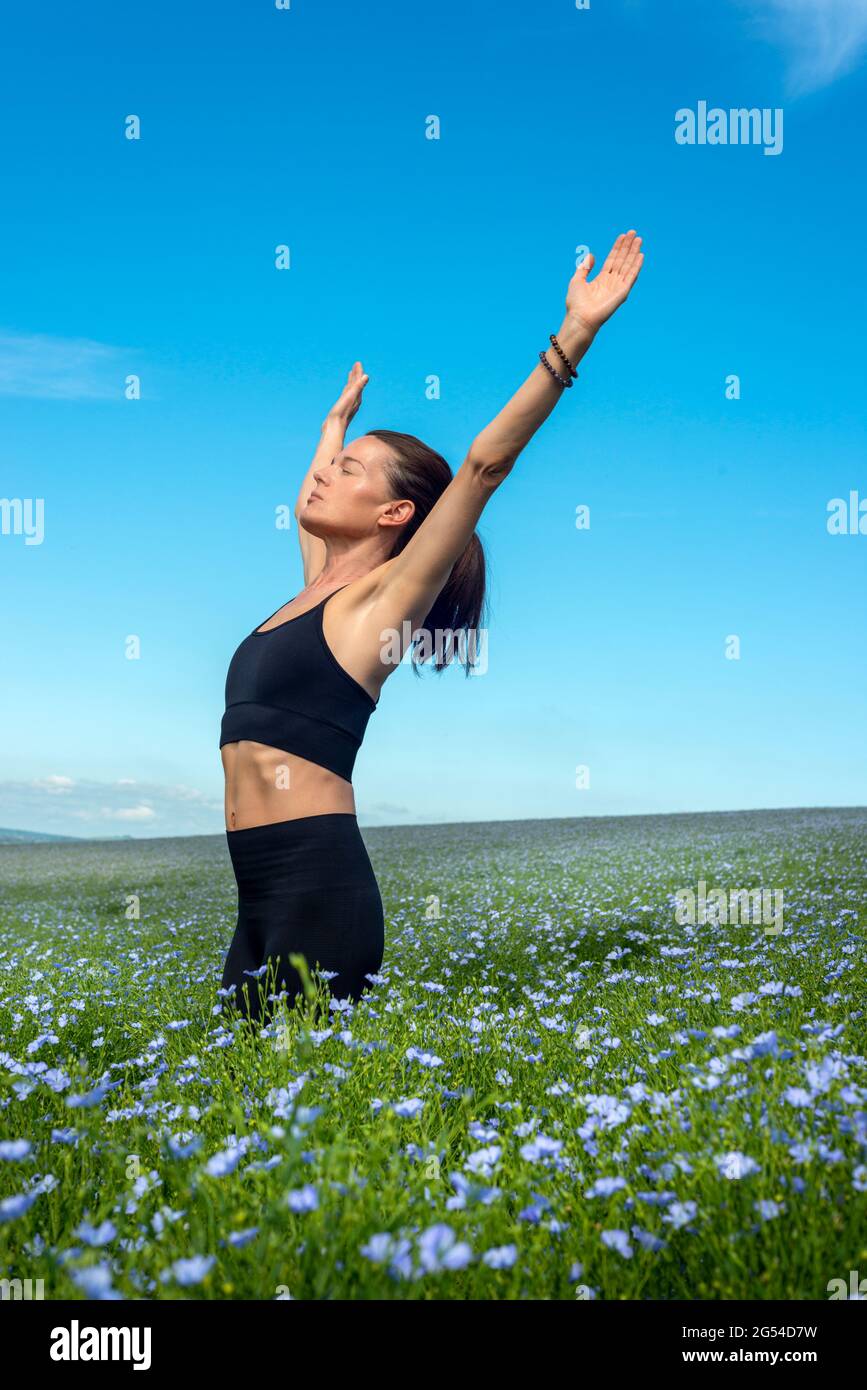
(420, 474)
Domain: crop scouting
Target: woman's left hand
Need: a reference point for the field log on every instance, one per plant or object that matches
(591, 302)
(349, 400)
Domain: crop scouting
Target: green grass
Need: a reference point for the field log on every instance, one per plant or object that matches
(531, 962)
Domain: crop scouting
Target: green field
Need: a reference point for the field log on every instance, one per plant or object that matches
(556, 1091)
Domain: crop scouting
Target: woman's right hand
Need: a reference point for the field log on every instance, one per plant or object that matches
(346, 405)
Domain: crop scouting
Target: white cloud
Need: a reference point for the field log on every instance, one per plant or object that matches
(182, 793)
(822, 39)
(72, 806)
(55, 786)
(130, 813)
(46, 368)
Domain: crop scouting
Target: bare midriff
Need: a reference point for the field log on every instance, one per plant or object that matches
(265, 785)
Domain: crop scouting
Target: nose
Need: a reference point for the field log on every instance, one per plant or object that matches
(320, 475)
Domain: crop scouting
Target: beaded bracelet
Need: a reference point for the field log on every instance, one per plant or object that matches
(561, 354)
(563, 380)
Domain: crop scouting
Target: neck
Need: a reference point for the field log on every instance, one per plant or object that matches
(347, 559)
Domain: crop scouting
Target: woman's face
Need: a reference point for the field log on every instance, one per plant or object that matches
(351, 495)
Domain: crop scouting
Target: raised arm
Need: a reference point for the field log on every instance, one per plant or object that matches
(331, 440)
(416, 576)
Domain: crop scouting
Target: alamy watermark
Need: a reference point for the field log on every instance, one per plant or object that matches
(856, 1288)
(25, 1289)
(738, 126)
(23, 516)
(847, 517)
(739, 907)
(77, 1343)
(469, 645)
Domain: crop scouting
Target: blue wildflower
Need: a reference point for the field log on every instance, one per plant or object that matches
(619, 1241)
(439, 1249)
(736, 1165)
(96, 1235)
(500, 1257)
(13, 1150)
(190, 1271)
(302, 1199)
(604, 1187)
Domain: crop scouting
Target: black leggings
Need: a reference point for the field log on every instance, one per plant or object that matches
(305, 886)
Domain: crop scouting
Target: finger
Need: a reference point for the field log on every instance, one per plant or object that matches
(612, 254)
(631, 256)
(633, 275)
(630, 274)
(624, 252)
(586, 265)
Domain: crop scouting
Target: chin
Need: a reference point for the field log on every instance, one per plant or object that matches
(318, 519)
(313, 524)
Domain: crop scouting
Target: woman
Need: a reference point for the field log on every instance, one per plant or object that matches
(388, 544)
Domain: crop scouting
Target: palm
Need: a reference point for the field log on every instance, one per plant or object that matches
(594, 301)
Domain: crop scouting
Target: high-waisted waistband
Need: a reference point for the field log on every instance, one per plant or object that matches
(297, 828)
(308, 852)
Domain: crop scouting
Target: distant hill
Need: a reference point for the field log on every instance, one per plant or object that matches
(20, 837)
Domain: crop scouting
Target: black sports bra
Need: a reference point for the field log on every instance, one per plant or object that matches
(285, 688)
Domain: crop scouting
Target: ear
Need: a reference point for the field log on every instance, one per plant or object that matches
(397, 513)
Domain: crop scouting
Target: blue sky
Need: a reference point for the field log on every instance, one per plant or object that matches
(606, 647)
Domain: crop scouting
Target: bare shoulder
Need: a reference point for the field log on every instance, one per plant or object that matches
(385, 598)
(355, 612)
(360, 597)
(352, 625)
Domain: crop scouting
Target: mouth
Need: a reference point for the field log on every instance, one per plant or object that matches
(314, 497)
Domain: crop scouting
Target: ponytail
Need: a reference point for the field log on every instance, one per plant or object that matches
(420, 474)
